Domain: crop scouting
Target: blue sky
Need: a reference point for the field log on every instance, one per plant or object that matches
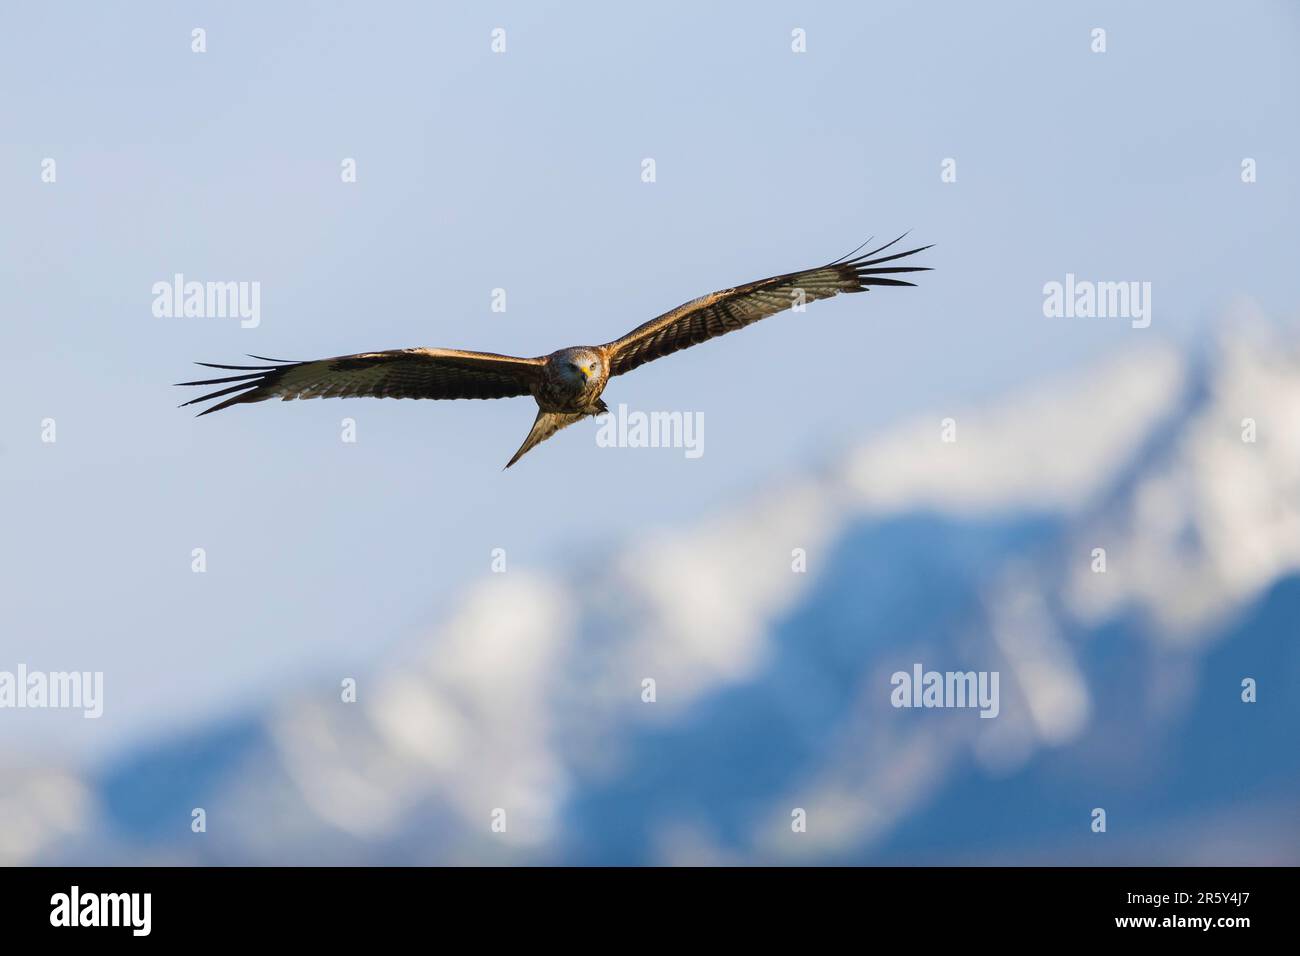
(522, 171)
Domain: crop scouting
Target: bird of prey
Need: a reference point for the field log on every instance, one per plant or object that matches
(566, 384)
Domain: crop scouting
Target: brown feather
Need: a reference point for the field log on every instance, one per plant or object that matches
(729, 309)
(544, 426)
(398, 373)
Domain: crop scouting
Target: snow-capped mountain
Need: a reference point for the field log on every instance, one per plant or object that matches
(967, 540)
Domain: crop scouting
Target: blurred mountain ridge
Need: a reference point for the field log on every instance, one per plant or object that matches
(1119, 689)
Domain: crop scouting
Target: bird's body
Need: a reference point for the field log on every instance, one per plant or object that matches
(572, 380)
(566, 384)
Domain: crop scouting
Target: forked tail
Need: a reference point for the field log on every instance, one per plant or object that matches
(545, 425)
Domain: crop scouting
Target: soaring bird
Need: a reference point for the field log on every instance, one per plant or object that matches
(566, 384)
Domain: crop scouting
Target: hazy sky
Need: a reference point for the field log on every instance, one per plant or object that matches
(522, 171)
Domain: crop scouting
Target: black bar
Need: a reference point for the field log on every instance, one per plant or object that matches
(335, 905)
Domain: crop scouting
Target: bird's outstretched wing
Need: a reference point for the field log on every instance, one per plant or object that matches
(720, 312)
(399, 373)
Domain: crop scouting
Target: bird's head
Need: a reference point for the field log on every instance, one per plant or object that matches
(579, 365)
